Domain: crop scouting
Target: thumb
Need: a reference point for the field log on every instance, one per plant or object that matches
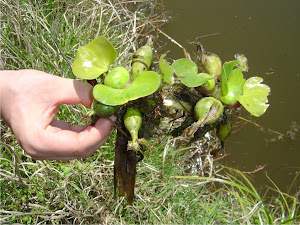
(73, 92)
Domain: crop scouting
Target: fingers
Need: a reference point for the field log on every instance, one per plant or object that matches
(65, 126)
(66, 142)
(31, 104)
(63, 143)
(73, 92)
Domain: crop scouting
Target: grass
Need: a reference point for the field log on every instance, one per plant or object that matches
(45, 35)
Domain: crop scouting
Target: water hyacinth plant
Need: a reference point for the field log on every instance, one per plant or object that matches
(141, 97)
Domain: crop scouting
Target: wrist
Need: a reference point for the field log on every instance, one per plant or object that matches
(6, 85)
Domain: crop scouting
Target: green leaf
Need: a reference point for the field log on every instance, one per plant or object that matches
(166, 69)
(187, 72)
(235, 84)
(184, 66)
(145, 84)
(254, 97)
(109, 96)
(226, 71)
(209, 85)
(94, 59)
(197, 80)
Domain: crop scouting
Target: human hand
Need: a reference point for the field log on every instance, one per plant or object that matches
(29, 102)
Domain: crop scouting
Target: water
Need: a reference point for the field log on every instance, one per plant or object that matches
(268, 33)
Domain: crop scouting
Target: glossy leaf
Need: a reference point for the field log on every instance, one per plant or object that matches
(145, 84)
(209, 85)
(166, 69)
(226, 71)
(235, 84)
(187, 72)
(94, 59)
(184, 66)
(254, 97)
(198, 80)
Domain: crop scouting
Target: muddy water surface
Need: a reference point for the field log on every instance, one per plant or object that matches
(268, 33)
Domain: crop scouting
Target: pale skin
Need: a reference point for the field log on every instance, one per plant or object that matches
(29, 101)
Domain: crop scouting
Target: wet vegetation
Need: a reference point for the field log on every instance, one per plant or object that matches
(178, 176)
